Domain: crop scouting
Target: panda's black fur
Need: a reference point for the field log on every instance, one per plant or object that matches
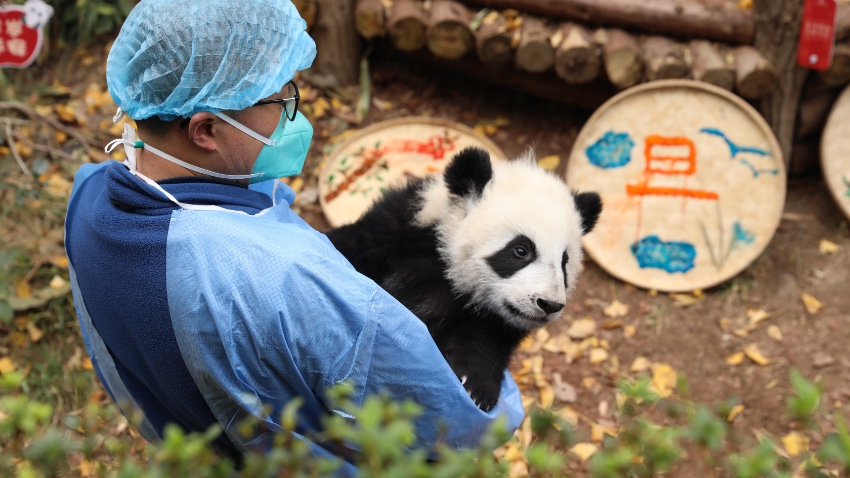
(390, 245)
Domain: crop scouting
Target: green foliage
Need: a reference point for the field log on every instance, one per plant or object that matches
(706, 429)
(836, 447)
(806, 399)
(761, 462)
(384, 433)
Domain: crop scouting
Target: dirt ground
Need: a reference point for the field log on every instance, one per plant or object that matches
(694, 339)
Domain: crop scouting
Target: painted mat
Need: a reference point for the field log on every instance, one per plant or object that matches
(835, 152)
(692, 180)
(387, 153)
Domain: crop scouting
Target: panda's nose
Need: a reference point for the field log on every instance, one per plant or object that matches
(548, 306)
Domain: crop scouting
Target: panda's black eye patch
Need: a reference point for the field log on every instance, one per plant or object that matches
(564, 259)
(516, 254)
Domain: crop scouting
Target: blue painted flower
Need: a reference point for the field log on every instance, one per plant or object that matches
(652, 252)
(612, 150)
(743, 235)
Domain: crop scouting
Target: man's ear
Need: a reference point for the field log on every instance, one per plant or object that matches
(201, 132)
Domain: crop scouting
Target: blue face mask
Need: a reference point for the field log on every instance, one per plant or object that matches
(284, 153)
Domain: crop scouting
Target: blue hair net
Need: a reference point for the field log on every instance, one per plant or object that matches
(174, 58)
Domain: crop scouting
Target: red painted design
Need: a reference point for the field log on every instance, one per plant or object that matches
(436, 147)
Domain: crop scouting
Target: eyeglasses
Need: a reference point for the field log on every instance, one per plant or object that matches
(290, 103)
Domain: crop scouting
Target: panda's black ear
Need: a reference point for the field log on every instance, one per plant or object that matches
(589, 206)
(468, 173)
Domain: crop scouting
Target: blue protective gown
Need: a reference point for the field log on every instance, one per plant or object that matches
(203, 317)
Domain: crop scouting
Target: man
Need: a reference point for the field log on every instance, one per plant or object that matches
(203, 301)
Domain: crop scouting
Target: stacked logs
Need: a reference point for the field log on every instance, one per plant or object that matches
(562, 47)
(576, 53)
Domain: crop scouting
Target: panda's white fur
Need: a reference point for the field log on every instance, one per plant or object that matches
(483, 254)
(521, 198)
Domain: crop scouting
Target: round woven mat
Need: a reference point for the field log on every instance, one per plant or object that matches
(692, 180)
(835, 152)
(365, 164)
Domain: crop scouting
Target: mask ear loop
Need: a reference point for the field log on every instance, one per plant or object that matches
(241, 127)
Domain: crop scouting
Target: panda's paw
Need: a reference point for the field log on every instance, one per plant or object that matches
(484, 393)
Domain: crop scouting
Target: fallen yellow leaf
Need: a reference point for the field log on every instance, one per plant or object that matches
(6, 365)
(754, 353)
(685, 300)
(59, 261)
(795, 443)
(734, 412)
(616, 309)
(813, 306)
(598, 355)
(735, 359)
(87, 365)
(86, 468)
(775, 333)
(664, 379)
(320, 107)
(549, 163)
(582, 328)
(57, 283)
(547, 397)
(22, 289)
(641, 364)
(629, 331)
(584, 450)
(518, 469)
(65, 113)
(828, 247)
(35, 333)
(568, 414)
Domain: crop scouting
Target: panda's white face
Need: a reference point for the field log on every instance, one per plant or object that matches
(516, 248)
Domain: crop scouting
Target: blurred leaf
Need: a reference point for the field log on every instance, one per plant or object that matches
(755, 354)
(6, 311)
(813, 306)
(806, 399)
(664, 379)
(365, 89)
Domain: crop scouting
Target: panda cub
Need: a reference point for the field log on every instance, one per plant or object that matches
(483, 255)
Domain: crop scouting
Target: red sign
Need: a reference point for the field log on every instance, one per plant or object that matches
(21, 32)
(817, 34)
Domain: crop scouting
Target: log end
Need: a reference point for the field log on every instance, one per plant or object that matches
(449, 40)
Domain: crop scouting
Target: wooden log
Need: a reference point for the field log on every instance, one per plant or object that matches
(577, 58)
(622, 58)
(813, 112)
(755, 76)
(777, 32)
(407, 24)
(842, 22)
(710, 64)
(493, 40)
(534, 53)
(370, 18)
(545, 85)
(838, 72)
(339, 56)
(448, 31)
(719, 20)
(664, 58)
(308, 11)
